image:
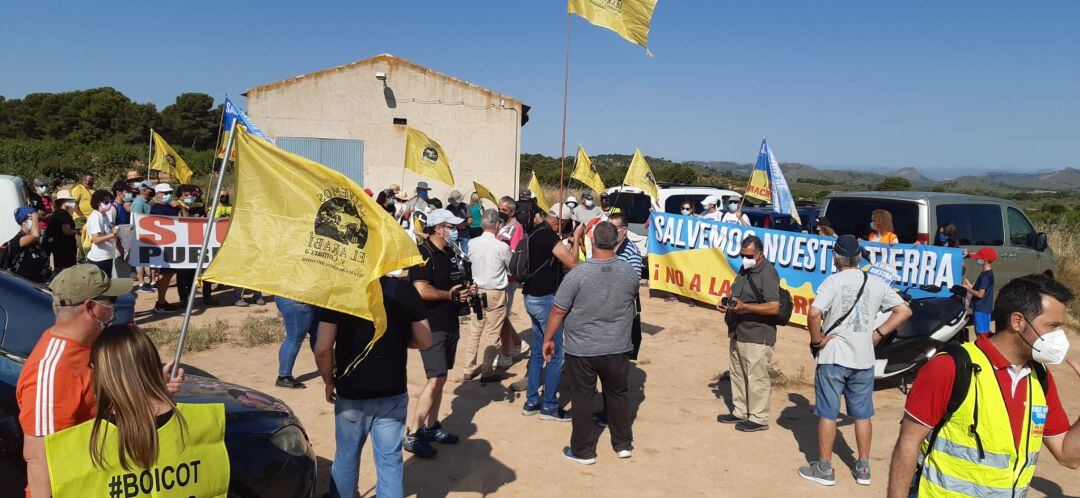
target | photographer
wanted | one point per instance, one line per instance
(490, 262)
(441, 283)
(751, 312)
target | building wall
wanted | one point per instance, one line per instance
(349, 103)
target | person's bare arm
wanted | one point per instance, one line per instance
(771, 308)
(900, 314)
(813, 324)
(568, 257)
(905, 457)
(429, 293)
(1066, 448)
(37, 469)
(35, 232)
(421, 335)
(324, 357)
(555, 320)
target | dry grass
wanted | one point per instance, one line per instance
(1065, 242)
(259, 330)
(780, 379)
(252, 331)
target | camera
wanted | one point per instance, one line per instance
(727, 302)
(476, 302)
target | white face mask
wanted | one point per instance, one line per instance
(872, 227)
(28, 225)
(1050, 348)
(69, 205)
(588, 203)
(748, 263)
(686, 212)
(732, 206)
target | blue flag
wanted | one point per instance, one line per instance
(782, 201)
(232, 115)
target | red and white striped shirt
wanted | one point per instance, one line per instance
(55, 389)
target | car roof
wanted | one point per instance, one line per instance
(916, 196)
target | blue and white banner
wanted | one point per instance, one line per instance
(234, 114)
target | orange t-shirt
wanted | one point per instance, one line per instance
(56, 388)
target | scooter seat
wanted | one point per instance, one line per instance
(928, 316)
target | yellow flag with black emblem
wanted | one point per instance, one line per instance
(534, 187)
(640, 175)
(426, 157)
(166, 159)
(629, 18)
(484, 193)
(586, 173)
(327, 246)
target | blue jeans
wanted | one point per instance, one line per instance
(300, 319)
(857, 387)
(463, 244)
(538, 308)
(384, 420)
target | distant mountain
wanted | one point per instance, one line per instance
(912, 175)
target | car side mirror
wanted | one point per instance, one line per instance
(1041, 242)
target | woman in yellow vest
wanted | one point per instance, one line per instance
(141, 442)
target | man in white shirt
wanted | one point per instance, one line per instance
(490, 261)
(710, 212)
(734, 213)
(587, 211)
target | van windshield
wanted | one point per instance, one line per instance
(852, 216)
(636, 206)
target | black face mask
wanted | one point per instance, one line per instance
(504, 217)
(224, 199)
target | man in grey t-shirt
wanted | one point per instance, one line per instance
(595, 307)
(846, 357)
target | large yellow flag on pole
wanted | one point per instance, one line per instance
(327, 246)
(166, 159)
(586, 173)
(629, 18)
(640, 175)
(484, 193)
(534, 187)
(426, 157)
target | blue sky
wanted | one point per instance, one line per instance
(936, 85)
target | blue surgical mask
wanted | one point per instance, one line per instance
(453, 236)
(128, 197)
(732, 206)
(41, 190)
(686, 212)
(422, 194)
(189, 200)
(167, 198)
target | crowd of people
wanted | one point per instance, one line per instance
(579, 276)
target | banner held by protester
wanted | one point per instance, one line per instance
(699, 259)
(172, 241)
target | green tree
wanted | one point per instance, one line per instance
(191, 121)
(893, 183)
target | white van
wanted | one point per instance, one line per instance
(637, 204)
(12, 195)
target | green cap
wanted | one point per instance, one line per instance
(81, 283)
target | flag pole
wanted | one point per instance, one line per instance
(211, 218)
(150, 154)
(566, 87)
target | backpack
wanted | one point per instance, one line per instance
(786, 304)
(519, 261)
(961, 384)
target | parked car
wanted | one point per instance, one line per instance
(12, 195)
(765, 217)
(980, 222)
(269, 451)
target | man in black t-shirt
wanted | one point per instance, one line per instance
(547, 257)
(370, 396)
(440, 281)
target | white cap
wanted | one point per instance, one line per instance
(710, 201)
(162, 187)
(440, 216)
(571, 199)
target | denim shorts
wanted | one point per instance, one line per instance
(982, 322)
(857, 386)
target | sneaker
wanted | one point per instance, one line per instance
(529, 410)
(559, 415)
(503, 362)
(520, 385)
(600, 419)
(241, 303)
(260, 302)
(147, 288)
(748, 426)
(568, 454)
(436, 434)
(164, 309)
(862, 472)
(728, 419)
(625, 453)
(416, 445)
(523, 351)
(819, 472)
(289, 383)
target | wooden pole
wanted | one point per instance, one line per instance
(566, 87)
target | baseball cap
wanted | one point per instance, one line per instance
(847, 246)
(554, 212)
(147, 185)
(369, 192)
(986, 253)
(81, 283)
(22, 213)
(710, 201)
(440, 216)
(163, 187)
(422, 186)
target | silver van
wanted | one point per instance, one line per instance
(980, 222)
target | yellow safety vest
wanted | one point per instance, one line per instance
(974, 454)
(197, 466)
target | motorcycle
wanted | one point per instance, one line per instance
(934, 321)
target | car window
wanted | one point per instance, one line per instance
(1021, 233)
(635, 206)
(852, 216)
(673, 204)
(976, 224)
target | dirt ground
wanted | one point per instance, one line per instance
(679, 448)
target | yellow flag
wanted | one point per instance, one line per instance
(426, 157)
(586, 173)
(166, 159)
(640, 175)
(484, 193)
(534, 187)
(759, 186)
(629, 18)
(327, 246)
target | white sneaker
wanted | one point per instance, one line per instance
(625, 453)
(523, 351)
(569, 455)
(503, 362)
